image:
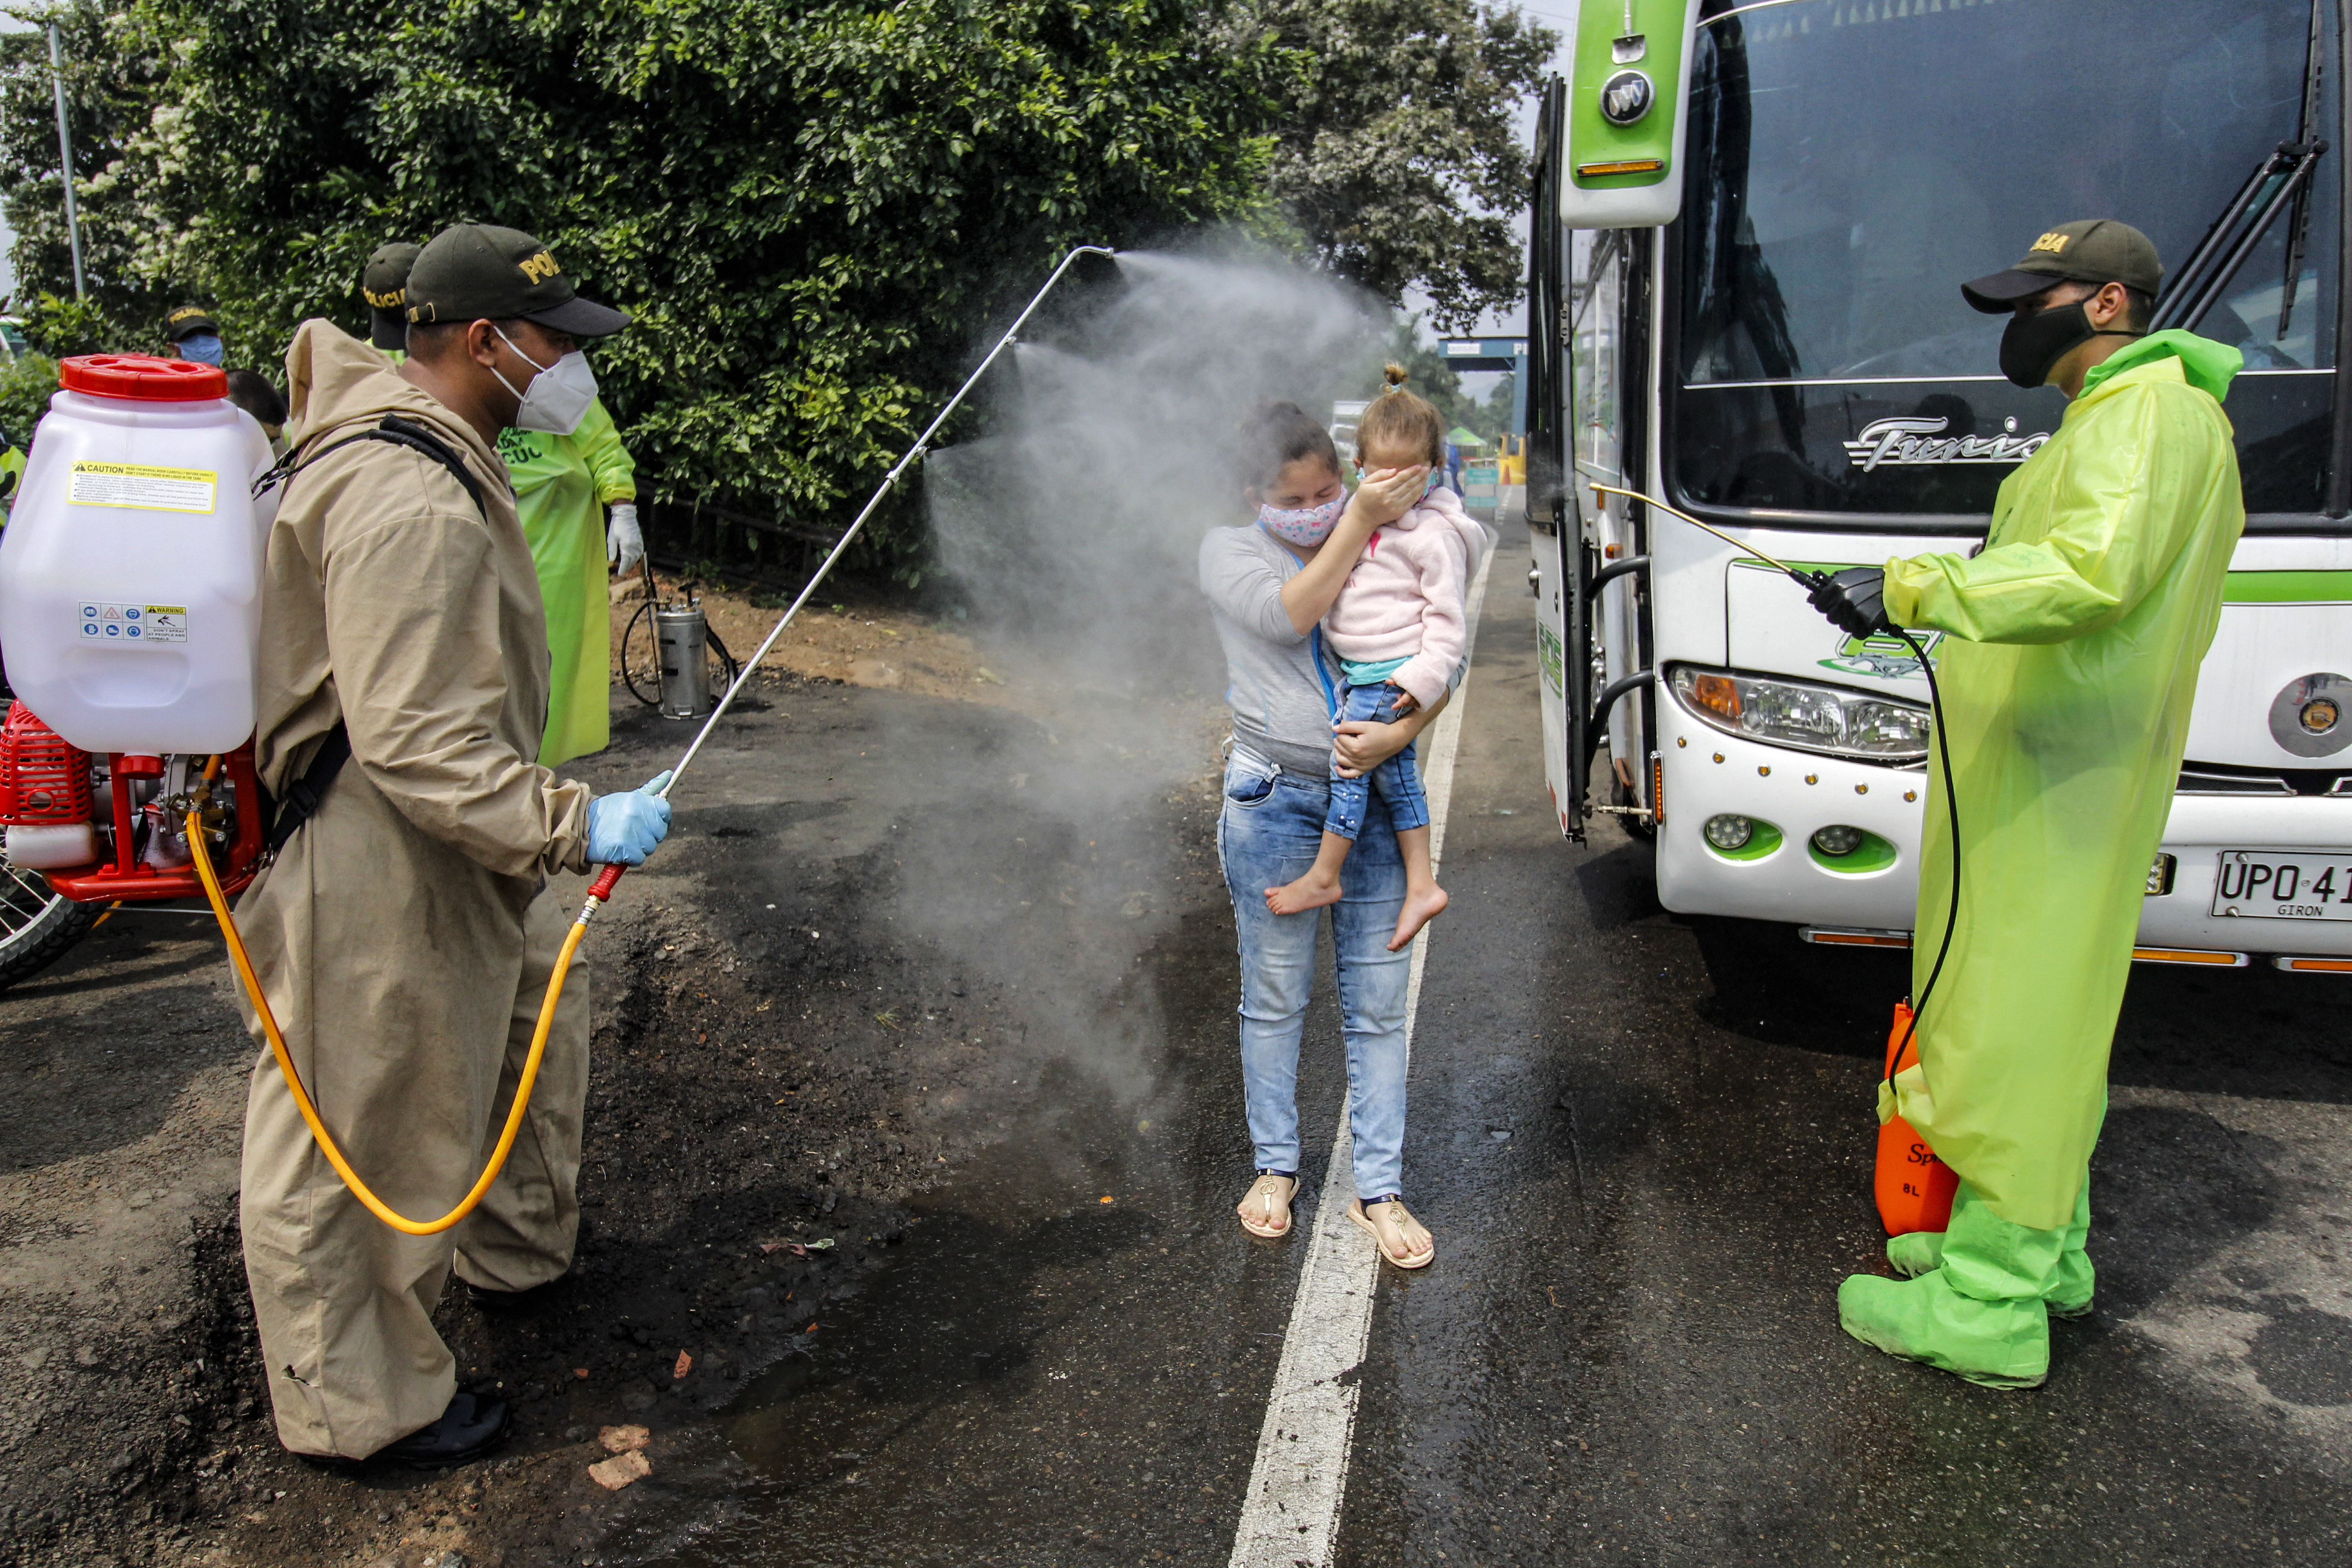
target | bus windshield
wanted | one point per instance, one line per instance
(1851, 162)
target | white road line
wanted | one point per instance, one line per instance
(1290, 1518)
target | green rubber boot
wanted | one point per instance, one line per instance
(2077, 1282)
(1922, 1252)
(1979, 1316)
(1916, 1253)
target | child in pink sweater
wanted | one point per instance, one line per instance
(1400, 630)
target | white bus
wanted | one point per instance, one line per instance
(1745, 305)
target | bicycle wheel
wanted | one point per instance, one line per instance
(38, 927)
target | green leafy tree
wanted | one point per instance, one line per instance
(112, 86)
(813, 212)
(25, 385)
(1400, 159)
(816, 210)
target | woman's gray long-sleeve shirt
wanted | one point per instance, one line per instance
(1271, 683)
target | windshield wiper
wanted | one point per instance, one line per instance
(2276, 184)
(2298, 230)
(2280, 182)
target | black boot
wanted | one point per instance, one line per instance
(500, 1302)
(475, 1424)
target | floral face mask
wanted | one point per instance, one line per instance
(1305, 525)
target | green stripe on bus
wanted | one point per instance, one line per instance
(2242, 587)
(2288, 588)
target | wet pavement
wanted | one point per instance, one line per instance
(1641, 1141)
(1644, 1145)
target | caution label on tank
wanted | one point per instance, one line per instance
(111, 621)
(141, 488)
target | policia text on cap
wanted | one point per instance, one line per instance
(2072, 653)
(406, 933)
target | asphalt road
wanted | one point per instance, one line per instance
(1642, 1143)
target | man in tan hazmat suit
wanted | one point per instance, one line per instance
(406, 933)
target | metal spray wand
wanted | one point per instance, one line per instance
(603, 885)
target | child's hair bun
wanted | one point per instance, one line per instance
(1398, 421)
(1395, 375)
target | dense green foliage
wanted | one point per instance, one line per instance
(815, 212)
(25, 385)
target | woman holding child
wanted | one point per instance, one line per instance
(1343, 627)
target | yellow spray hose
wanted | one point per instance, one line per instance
(376, 1206)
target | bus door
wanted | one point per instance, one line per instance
(1587, 296)
(1590, 574)
(1555, 530)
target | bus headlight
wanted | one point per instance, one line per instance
(1837, 839)
(1729, 832)
(1831, 719)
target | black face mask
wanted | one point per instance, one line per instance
(2031, 345)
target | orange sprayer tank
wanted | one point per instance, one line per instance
(1915, 1188)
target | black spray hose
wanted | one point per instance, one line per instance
(1952, 813)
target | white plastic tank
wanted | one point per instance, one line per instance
(131, 565)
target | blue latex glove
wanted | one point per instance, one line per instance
(624, 828)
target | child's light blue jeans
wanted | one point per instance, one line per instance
(1397, 781)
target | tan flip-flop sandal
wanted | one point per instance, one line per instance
(1395, 1231)
(1266, 1211)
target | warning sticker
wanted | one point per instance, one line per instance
(141, 488)
(137, 625)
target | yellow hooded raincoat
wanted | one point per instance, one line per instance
(562, 485)
(2075, 640)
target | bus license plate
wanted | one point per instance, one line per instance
(2274, 886)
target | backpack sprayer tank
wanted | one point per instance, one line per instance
(130, 613)
(682, 638)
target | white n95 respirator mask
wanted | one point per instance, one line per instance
(558, 398)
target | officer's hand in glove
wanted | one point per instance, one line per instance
(624, 828)
(1853, 600)
(624, 546)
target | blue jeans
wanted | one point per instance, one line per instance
(1397, 781)
(1268, 835)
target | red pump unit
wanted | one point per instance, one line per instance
(46, 782)
(44, 779)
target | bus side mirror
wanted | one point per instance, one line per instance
(1628, 97)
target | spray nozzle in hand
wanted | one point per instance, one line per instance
(1854, 599)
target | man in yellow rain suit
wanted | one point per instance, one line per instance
(2075, 637)
(563, 485)
(12, 472)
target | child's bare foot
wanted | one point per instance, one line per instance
(1420, 908)
(1311, 892)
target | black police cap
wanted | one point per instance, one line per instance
(385, 285)
(473, 271)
